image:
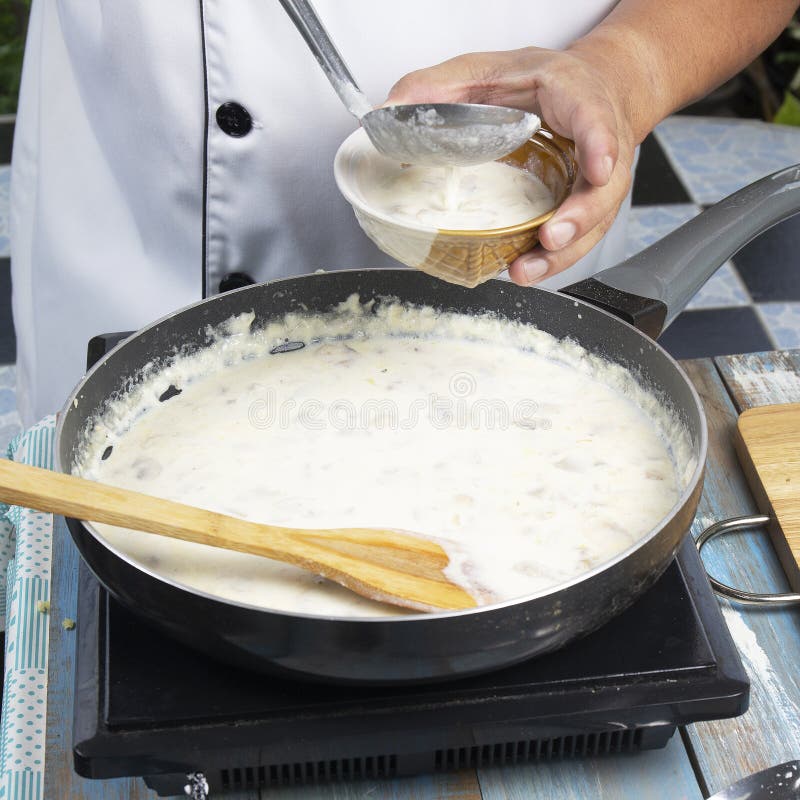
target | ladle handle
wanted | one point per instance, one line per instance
(306, 21)
(651, 288)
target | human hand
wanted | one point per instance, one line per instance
(577, 96)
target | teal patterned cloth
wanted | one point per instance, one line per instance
(27, 536)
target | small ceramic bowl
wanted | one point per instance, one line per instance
(465, 257)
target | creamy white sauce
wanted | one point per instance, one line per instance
(355, 101)
(481, 197)
(530, 459)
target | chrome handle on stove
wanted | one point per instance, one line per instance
(731, 592)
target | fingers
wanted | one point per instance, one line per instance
(561, 89)
(469, 78)
(426, 86)
(583, 219)
(533, 267)
(584, 209)
(448, 82)
(594, 129)
(585, 115)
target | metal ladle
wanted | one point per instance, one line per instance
(433, 134)
(781, 782)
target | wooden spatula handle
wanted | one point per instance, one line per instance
(381, 564)
(84, 499)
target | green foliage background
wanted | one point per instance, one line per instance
(788, 57)
(13, 26)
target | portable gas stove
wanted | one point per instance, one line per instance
(148, 706)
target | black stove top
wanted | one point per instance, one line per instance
(148, 706)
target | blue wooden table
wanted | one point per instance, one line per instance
(702, 759)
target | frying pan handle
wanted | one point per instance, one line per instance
(651, 288)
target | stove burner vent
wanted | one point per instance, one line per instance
(384, 766)
(584, 744)
(388, 766)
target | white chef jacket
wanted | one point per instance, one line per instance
(128, 198)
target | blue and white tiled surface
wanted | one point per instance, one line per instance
(714, 157)
(709, 158)
(783, 322)
(755, 297)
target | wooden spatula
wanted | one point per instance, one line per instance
(390, 566)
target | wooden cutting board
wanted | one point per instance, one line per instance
(768, 445)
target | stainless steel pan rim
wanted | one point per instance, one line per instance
(701, 447)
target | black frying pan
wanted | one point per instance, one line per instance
(647, 291)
